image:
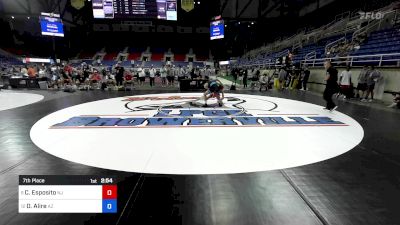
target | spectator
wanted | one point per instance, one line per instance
(295, 79)
(86, 72)
(198, 72)
(306, 77)
(80, 78)
(255, 77)
(119, 75)
(245, 74)
(192, 74)
(66, 78)
(95, 78)
(128, 79)
(275, 76)
(68, 68)
(362, 82)
(182, 73)
(264, 82)
(288, 78)
(170, 75)
(110, 80)
(146, 72)
(42, 72)
(104, 72)
(396, 101)
(74, 74)
(136, 73)
(345, 83)
(32, 72)
(142, 76)
(207, 73)
(163, 74)
(24, 71)
(373, 77)
(235, 74)
(152, 74)
(54, 76)
(281, 77)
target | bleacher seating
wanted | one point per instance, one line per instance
(179, 57)
(20, 52)
(109, 62)
(156, 64)
(9, 60)
(86, 55)
(183, 64)
(157, 54)
(111, 56)
(380, 42)
(201, 54)
(180, 54)
(198, 64)
(87, 61)
(134, 56)
(135, 53)
(112, 53)
(126, 63)
(347, 39)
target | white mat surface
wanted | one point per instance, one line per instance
(11, 100)
(196, 150)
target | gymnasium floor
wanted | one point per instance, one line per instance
(361, 186)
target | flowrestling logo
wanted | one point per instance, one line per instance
(372, 15)
(187, 111)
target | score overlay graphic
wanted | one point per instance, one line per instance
(67, 194)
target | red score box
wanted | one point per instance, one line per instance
(109, 191)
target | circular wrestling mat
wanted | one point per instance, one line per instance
(175, 134)
(11, 100)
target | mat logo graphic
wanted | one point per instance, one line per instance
(181, 112)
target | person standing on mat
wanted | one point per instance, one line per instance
(332, 86)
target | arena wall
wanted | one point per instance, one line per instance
(390, 81)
